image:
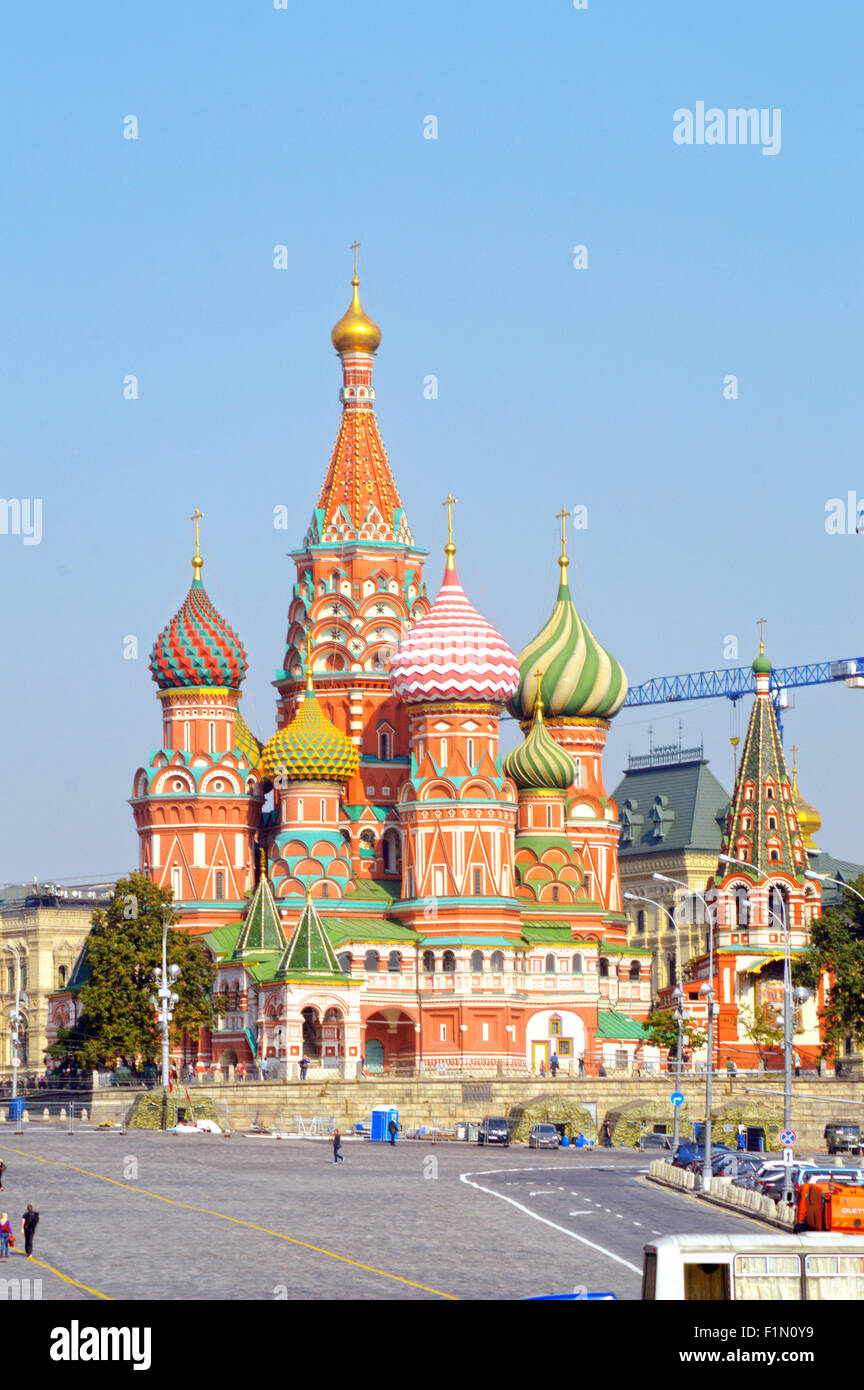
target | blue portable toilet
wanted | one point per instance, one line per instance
(381, 1117)
(17, 1106)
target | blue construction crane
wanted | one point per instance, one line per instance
(733, 682)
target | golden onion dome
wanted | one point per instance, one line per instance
(809, 819)
(355, 331)
(310, 748)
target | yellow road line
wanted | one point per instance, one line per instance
(68, 1278)
(237, 1221)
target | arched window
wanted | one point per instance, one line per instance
(477, 961)
(640, 919)
(769, 792)
(325, 890)
(323, 809)
(634, 970)
(344, 959)
(384, 746)
(774, 855)
(577, 964)
(470, 752)
(604, 968)
(555, 892)
(549, 967)
(220, 885)
(429, 962)
(498, 961)
(778, 906)
(62, 976)
(394, 961)
(448, 963)
(742, 906)
(370, 961)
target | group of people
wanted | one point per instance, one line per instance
(29, 1222)
(555, 1064)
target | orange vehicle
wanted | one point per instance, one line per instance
(831, 1206)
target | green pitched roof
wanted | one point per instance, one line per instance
(342, 929)
(309, 951)
(611, 1024)
(262, 930)
(222, 940)
(672, 807)
(377, 890)
(762, 759)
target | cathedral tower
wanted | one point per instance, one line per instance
(197, 803)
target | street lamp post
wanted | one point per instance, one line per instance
(165, 998)
(826, 878)
(678, 996)
(707, 991)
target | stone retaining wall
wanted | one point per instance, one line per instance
(443, 1102)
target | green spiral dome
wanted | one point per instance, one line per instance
(539, 763)
(580, 678)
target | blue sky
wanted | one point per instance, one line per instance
(602, 386)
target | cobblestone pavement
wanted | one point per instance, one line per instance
(161, 1216)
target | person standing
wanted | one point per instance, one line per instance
(542, 1068)
(29, 1222)
(392, 1129)
(554, 1064)
(5, 1236)
(606, 1135)
(337, 1145)
(797, 1060)
(304, 1067)
(2, 1171)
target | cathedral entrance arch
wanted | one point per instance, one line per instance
(394, 1032)
(311, 1033)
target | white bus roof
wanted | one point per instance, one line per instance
(746, 1241)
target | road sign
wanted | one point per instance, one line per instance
(16, 1061)
(788, 1137)
(677, 1098)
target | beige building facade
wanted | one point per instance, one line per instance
(43, 927)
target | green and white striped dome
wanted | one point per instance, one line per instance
(539, 763)
(580, 678)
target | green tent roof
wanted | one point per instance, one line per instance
(342, 929)
(262, 930)
(309, 951)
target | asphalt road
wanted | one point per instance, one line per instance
(175, 1217)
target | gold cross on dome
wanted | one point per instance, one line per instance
(539, 701)
(355, 247)
(760, 623)
(197, 562)
(562, 517)
(449, 502)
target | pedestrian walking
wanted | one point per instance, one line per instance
(582, 1064)
(29, 1222)
(304, 1067)
(5, 1236)
(393, 1129)
(542, 1068)
(554, 1064)
(241, 1072)
(2, 1171)
(262, 1067)
(731, 1069)
(606, 1134)
(337, 1145)
(797, 1060)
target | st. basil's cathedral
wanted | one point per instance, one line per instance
(409, 898)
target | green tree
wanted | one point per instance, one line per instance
(662, 1031)
(762, 1032)
(838, 947)
(124, 945)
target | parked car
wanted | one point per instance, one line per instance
(843, 1138)
(809, 1172)
(544, 1137)
(655, 1143)
(494, 1130)
(691, 1155)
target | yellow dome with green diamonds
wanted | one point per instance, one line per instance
(310, 748)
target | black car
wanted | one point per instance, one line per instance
(494, 1130)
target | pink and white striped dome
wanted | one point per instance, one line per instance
(453, 654)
